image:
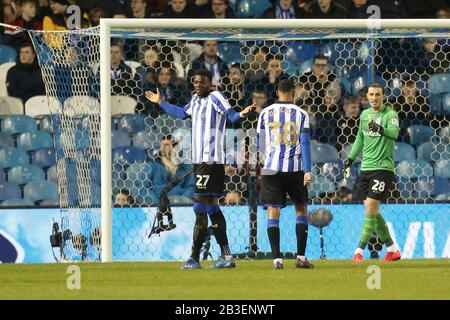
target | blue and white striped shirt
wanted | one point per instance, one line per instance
(281, 128)
(209, 116)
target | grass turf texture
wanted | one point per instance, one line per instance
(407, 279)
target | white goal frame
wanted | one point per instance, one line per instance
(105, 85)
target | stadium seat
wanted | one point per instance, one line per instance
(7, 54)
(419, 134)
(147, 139)
(26, 173)
(52, 174)
(10, 106)
(433, 151)
(9, 190)
(2, 176)
(443, 197)
(16, 124)
(322, 153)
(41, 190)
(446, 103)
(119, 139)
(122, 105)
(41, 105)
(44, 123)
(403, 151)
(406, 188)
(361, 81)
(17, 203)
(10, 157)
(441, 185)
(49, 203)
(413, 169)
(128, 155)
(29, 141)
(305, 66)
(3, 73)
(332, 171)
(80, 105)
(132, 123)
(439, 83)
(133, 65)
(6, 140)
(321, 185)
(252, 8)
(442, 169)
(180, 200)
(444, 134)
(44, 157)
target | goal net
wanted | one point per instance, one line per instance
(145, 204)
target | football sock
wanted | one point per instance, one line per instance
(368, 229)
(383, 231)
(273, 231)
(220, 229)
(301, 231)
(200, 229)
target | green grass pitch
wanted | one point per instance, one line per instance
(407, 279)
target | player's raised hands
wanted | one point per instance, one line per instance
(247, 110)
(154, 97)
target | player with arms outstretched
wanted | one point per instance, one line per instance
(378, 130)
(208, 110)
(284, 141)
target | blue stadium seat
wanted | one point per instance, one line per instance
(414, 169)
(300, 51)
(2, 176)
(305, 66)
(119, 139)
(132, 123)
(441, 185)
(52, 174)
(142, 178)
(6, 140)
(322, 153)
(17, 203)
(442, 169)
(439, 83)
(10, 157)
(321, 185)
(406, 188)
(41, 190)
(45, 123)
(9, 190)
(128, 154)
(24, 174)
(30, 141)
(361, 81)
(229, 52)
(146, 139)
(44, 157)
(7, 54)
(419, 134)
(49, 203)
(446, 103)
(16, 124)
(443, 197)
(403, 151)
(444, 134)
(433, 151)
(252, 8)
(332, 171)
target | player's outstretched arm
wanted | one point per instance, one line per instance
(235, 116)
(171, 109)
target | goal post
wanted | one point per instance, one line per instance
(348, 46)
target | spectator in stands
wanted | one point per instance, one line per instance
(124, 199)
(302, 97)
(172, 89)
(210, 61)
(44, 9)
(139, 9)
(157, 7)
(256, 64)
(178, 9)
(24, 80)
(274, 73)
(149, 65)
(284, 9)
(27, 20)
(325, 9)
(173, 168)
(119, 14)
(235, 87)
(424, 8)
(219, 10)
(9, 11)
(123, 80)
(358, 10)
(347, 124)
(200, 7)
(437, 56)
(391, 9)
(443, 13)
(95, 15)
(234, 186)
(324, 85)
(260, 98)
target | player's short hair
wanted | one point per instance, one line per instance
(377, 86)
(286, 85)
(204, 73)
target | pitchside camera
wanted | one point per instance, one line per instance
(320, 218)
(57, 237)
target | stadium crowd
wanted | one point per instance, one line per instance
(332, 92)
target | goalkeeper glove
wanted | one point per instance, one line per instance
(374, 127)
(347, 167)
